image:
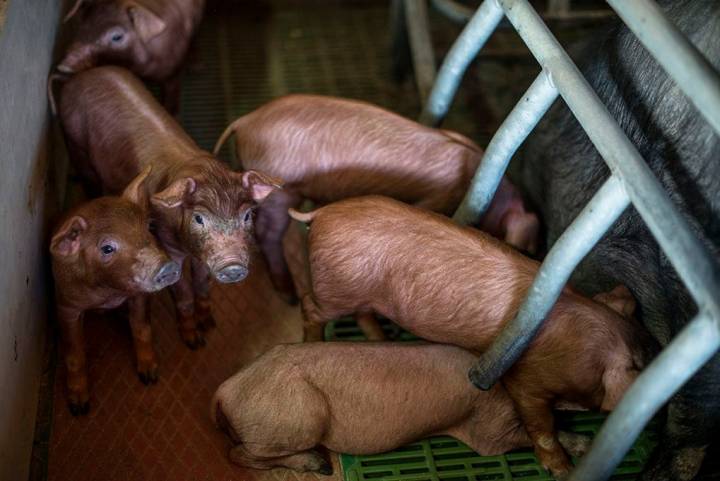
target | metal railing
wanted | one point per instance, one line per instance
(631, 181)
(410, 19)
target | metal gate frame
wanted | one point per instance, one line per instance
(631, 181)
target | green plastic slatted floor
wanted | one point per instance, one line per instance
(445, 459)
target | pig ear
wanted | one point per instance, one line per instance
(147, 24)
(66, 240)
(74, 10)
(619, 300)
(260, 185)
(176, 194)
(137, 192)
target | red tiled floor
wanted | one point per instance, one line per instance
(138, 433)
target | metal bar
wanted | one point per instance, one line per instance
(687, 353)
(573, 245)
(511, 134)
(418, 26)
(454, 11)
(692, 72)
(696, 267)
(461, 14)
(558, 7)
(689, 257)
(463, 51)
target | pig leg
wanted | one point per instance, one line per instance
(201, 290)
(270, 226)
(315, 319)
(71, 327)
(536, 414)
(147, 366)
(370, 326)
(304, 461)
(184, 303)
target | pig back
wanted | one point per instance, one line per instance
(442, 282)
(112, 119)
(167, 50)
(374, 396)
(330, 149)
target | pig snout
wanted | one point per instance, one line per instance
(167, 274)
(79, 58)
(232, 272)
(153, 271)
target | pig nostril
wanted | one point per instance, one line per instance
(232, 273)
(168, 274)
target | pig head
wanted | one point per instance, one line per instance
(106, 244)
(210, 211)
(111, 31)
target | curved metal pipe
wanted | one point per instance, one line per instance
(573, 245)
(463, 51)
(511, 134)
(454, 11)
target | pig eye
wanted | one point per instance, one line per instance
(116, 36)
(247, 216)
(107, 249)
(199, 219)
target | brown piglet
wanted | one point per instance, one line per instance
(102, 255)
(204, 211)
(149, 37)
(327, 149)
(457, 285)
(361, 398)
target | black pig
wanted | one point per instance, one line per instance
(561, 170)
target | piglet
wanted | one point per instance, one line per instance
(204, 211)
(361, 398)
(457, 285)
(327, 149)
(102, 255)
(149, 37)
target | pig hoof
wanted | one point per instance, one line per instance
(79, 409)
(326, 469)
(148, 377)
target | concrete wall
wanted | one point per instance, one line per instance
(26, 46)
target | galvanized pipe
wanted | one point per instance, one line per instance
(454, 11)
(511, 134)
(573, 245)
(692, 72)
(423, 55)
(687, 353)
(463, 51)
(696, 267)
(689, 257)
